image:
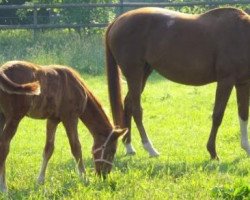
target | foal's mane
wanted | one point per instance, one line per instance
(90, 95)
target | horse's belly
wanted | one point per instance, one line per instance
(187, 76)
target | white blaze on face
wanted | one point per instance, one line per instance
(244, 135)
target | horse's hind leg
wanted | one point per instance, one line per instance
(128, 116)
(135, 87)
(71, 129)
(223, 92)
(242, 92)
(8, 132)
(128, 113)
(2, 122)
(49, 148)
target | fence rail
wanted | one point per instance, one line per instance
(121, 6)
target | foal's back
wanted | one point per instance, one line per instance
(62, 90)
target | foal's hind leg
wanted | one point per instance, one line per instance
(242, 92)
(72, 133)
(128, 112)
(223, 92)
(49, 148)
(135, 87)
(8, 132)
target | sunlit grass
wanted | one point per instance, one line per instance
(177, 119)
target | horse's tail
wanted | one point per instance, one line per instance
(114, 85)
(9, 86)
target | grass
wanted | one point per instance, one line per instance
(177, 118)
(178, 121)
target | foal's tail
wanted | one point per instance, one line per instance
(9, 86)
(114, 85)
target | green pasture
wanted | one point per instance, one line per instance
(177, 118)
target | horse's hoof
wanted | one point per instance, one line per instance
(40, 180)
(154, 154)
(131, 153)
(4, 189)
(130, 149)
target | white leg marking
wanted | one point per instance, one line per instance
(130, 149)
(244, 135)
(3, 186)
(41, 177)
(150, 149)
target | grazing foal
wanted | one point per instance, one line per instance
(187, 49)
(58, 94)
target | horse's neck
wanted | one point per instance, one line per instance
(95, 119)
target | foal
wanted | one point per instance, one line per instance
(187, 49)
(58, 94)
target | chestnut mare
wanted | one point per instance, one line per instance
(58, 94)
(187, 49)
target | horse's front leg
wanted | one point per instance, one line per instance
(7, 134)
(49, 148)
(242, 92)
(223, 92)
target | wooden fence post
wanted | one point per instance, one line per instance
(34, 21)
(121, 7)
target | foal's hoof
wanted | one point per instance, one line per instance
(215, 158)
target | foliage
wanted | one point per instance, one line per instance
(62, 47)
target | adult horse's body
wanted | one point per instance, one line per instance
(188, 49)
(58, 94)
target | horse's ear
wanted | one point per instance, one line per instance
(121, 131)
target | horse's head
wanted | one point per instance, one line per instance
(104, 150)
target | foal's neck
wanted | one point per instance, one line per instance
(95, 118)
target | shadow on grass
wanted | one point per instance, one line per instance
(154, 167)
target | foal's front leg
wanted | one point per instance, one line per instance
(70, 125)
(49, 148)
(242, 92)
(223, 92)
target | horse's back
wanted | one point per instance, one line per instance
(181, 47)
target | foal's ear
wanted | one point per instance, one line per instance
(121, 131)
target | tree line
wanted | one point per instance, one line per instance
(79, 15)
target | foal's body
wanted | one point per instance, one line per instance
(58, 94)
(187, 49)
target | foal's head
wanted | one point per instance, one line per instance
(104, 149)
